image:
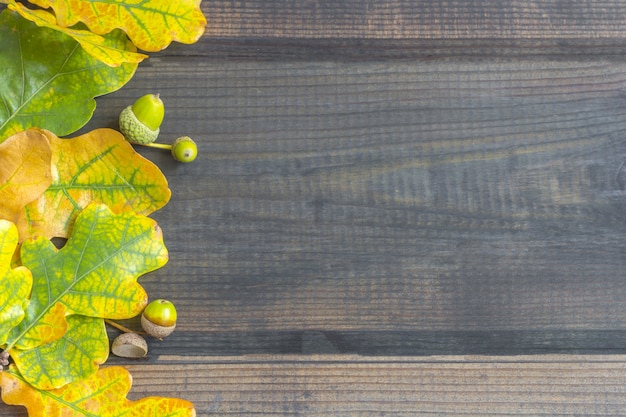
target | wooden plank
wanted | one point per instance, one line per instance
(407, 19)
(412, 205)
(332, 385)
(399, 19)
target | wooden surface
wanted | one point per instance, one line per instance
(399, 208)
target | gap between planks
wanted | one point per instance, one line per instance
(169, 360)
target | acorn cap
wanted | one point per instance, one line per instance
(129, 345)
(155, 330)
(134, 130)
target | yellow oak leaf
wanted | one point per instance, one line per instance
(99, 166)
(16, 282)
(95, 274)
(95, 45)
(61, 337)
(102, 394)
(74, 356)
(24, 171)
(151, 24)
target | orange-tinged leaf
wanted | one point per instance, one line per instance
(103, 394)
(74, 356)
(151, 24)
(95, 45)
(162, 407)
(16, 282)
(24, 171)
(99, 166)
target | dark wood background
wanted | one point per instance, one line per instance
(399, 208)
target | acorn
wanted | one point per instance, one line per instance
(129, 345)
(159, 318)
(140, 123)
(183, 149)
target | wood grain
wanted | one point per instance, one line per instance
(398, 19)
(400, 204)
(332, 385)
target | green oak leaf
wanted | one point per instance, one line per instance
(95, 45)
(75, 356)
(95, 274)
(48, 81)
(16, 282)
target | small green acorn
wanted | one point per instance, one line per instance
(183, 149)
(140, 123)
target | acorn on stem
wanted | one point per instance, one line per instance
(140, 122)
(159, 318)
(183, 149)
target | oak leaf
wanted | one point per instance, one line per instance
(150, 24)
(99, 166)
(95, 274)
(111, 53)
(16, 282)
(24, 172)
(103, 394)
(48, 80)
(74, 356)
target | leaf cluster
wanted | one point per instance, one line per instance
(151, 25)
(57, 58)
(54, 301)
(94, 190)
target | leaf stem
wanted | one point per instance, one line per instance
(156, 145)
(122, 328)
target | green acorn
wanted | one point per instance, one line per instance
(159, 318)
(140, 122)
(183, 149)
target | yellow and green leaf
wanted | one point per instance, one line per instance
(99, 166)
(48, 80)
(111, 53)
(103, 394)
(50, 325)
(76, 355)
(95, 274)
(24, 172)
(16, 282)
(151, 24)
